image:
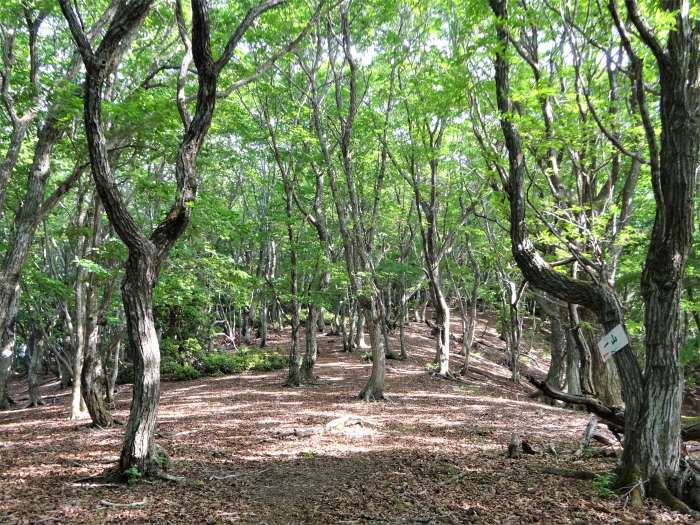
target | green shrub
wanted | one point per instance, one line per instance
(198, 363)
(603, 484)
(187, 351)
(179, 371)
(133, 475)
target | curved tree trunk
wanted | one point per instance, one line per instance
(146, 253)
(652, 450)
(139, 449)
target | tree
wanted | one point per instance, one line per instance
(147, 253)
(652, 411)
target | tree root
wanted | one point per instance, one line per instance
(371, 394)
(449, 376)
(123, 505)
(6, 403)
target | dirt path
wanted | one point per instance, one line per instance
(434, 453)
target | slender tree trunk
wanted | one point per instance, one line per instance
(9, 297)
(573, 376)
(36, 355)
(422, 308)
(468, 330)
(77, 403)
(263, 324)
(403, 320)
(113, 373)
(294, 375)
(442, 318)
(309, 361)
(514, 336)
(321, 320)
(360, 321)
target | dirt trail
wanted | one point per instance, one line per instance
(252, 451)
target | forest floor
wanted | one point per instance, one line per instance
(253, 451)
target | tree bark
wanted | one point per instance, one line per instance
(309, 361)
(374, 389)
(9, 297)
(139, 449)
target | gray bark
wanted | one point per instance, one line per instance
(9, 297)
(36, 355)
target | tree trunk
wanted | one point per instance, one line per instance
(93, 377)
(10, 297)
(360, 321)
(606, 380)
(403, 320)
(294, 375)
(247, 326)
(573, 376)
(442, 318)
(321, 321)
(113, 373)
(557, 342)
(309, 361)
(139, 450)
(36, 355)
(263, 324)
(584, 351)
(374, 389)
(77, 403)
(652, 441)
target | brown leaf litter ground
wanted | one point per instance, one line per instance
(253, 451)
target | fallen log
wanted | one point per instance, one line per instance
(614, 416)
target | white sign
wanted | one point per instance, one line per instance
(613, 341)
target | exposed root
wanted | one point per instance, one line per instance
(449, 376)
(631, 486)
(370, 394)
(170, 477)
(6, 403)
(123, 505)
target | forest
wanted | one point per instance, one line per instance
(354, 262)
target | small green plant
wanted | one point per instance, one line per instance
(603, 484)
(432, 367)
(133, 475)
(164, 461)
(366, 356)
